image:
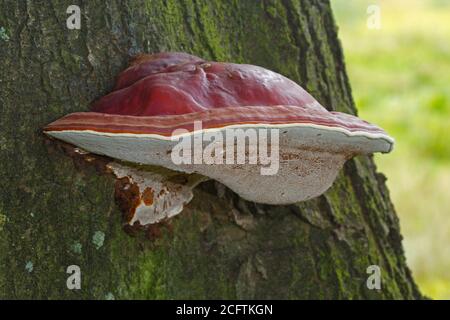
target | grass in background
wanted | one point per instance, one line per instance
(400, 76)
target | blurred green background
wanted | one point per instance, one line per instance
(400, 76)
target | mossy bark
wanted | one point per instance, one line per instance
(53, 214)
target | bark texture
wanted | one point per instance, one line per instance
(53, 214)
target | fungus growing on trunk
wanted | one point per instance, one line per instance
(167, 101)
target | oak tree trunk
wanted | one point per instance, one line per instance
(54, 214)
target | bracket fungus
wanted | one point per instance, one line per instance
(160, 99)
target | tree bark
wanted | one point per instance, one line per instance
(53, 214)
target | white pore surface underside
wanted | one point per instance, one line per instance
(310, 158)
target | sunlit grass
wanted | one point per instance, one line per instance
(400, 76)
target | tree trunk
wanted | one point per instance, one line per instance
(53, 214)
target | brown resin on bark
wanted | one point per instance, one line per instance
(127, 196)
(148, 196)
